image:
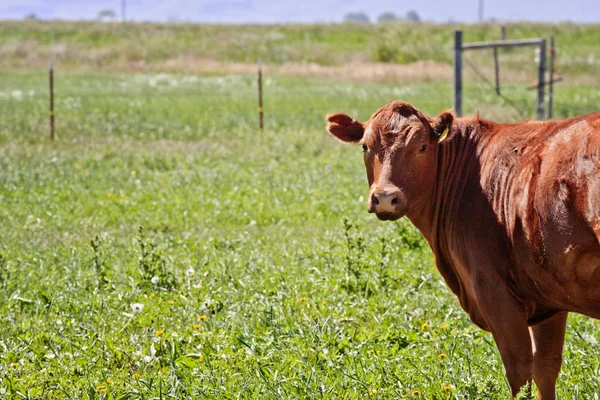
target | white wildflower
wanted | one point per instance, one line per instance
(155, 280)
(190, 272)
(148, 359)
(137, 307)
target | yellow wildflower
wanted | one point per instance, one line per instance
(101, 388)
(371, 351)
(442, 355)
(323, 302)
(159, 333)
(137, 376)
(133, 172)
(196, 326)
(109, 381)
(425, 326)
(201, 358)
(447, 388)
(443, 326)
(416, 393)
(15, 365)
(202, 318)
(372, 392)
(171, 302)
(302, 299)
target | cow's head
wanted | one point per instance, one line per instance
(400, 147)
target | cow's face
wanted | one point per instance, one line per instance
(400, 151)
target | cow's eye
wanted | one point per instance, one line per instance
(422, 148)
(365, 148)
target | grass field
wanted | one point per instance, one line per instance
(163, 247)
(183, 47)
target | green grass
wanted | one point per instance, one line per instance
(264, 235)
(85, 45)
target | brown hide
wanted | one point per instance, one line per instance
(511, 212)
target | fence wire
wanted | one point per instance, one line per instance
(482, 76)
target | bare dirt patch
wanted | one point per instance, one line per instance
(354, 72)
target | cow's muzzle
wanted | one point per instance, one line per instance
(387, 204)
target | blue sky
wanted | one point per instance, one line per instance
(271, 11)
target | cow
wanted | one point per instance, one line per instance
(510, 211)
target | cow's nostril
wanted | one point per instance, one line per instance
(395, 201)
(375, 201)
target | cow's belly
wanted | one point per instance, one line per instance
(567, 278)
(578, 277)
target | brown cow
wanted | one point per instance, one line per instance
(511, 212)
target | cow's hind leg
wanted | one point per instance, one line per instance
(548, 338)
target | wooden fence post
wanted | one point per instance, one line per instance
(51, 76)
(458, 73)
(260, 96)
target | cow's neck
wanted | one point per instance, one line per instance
(457, 160)
(456, 164)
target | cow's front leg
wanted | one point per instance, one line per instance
(507, 320)
(548, 339)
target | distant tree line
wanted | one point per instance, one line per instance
(386, 17)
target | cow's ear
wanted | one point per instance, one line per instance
(442, 126)
(345, 128)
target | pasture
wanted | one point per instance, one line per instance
(163, 247)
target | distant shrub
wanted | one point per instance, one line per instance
(107, 15)
(413, 16)
(358, 17)
(386, 52)
(387, 17)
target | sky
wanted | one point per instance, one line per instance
(304, 11)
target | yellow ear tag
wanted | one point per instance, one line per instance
(443, 136)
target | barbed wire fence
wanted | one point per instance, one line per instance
(222, 100)
(543, 108)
